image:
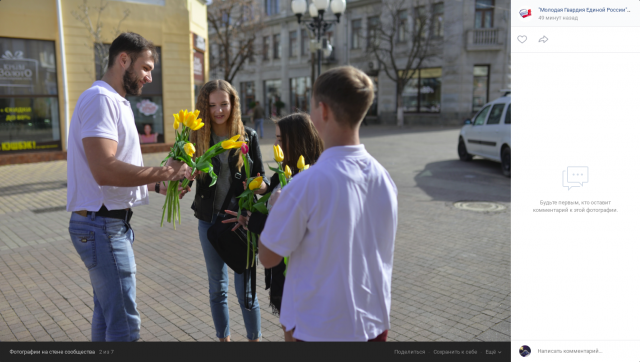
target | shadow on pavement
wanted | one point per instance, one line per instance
(454, 180)
(32, 187)
(387, 130)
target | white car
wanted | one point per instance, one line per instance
(488, 135)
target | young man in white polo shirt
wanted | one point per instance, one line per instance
(337, 222)
(106, 178)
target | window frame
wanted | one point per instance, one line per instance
(372, 33)
(277, 49)
(356, 34)
(266, 45)
(483, 12)
(403, 25)
(293, 43)
(437, 26)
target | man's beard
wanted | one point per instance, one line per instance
(131, 83)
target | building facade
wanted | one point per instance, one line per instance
(48, 57)
(469, 63)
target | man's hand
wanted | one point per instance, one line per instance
(183, 191)
(179, 170)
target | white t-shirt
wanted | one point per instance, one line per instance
(337, 221)
(102, 112)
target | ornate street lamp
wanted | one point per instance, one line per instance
(317, 25)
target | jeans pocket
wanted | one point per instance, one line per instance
(117, 229)
(85, 243)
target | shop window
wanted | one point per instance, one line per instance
(480, 86)
(300, 94)
(273, 97)
(247, 96)
(422, 92)
(29, 109)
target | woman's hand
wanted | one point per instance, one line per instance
(242, 220)
(262, 189)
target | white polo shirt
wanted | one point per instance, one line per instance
(337, 221)
(102, 112)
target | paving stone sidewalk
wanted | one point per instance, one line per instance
(452, 267)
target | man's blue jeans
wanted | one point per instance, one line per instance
(105, 245)
(218, 286)
(259, 123)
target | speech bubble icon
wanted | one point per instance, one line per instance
(578, 174)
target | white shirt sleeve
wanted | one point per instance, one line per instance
(100, 118)
(287, 221)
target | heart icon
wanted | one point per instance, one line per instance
(522, 38)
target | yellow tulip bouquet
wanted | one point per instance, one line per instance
(246, 201)
(284, 174)
(183, 150)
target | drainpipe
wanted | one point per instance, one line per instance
(64, 73)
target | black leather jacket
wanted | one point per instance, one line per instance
(205, 195)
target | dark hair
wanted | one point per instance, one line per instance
(299, 137)
(132, 44)
(347, 91)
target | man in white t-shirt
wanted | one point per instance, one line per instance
(106, 178)
(337, 222)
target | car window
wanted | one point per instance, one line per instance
(496, 113)
(482, 116)
(507, 117)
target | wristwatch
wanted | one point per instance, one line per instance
(157, 187)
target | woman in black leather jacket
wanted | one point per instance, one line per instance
(219, 106)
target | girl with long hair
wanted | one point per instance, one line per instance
(219, 106)
(297, 136)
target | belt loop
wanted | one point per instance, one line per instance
(126, 216)
(93, 215)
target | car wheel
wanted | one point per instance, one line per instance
(462, 151)
(506, 161)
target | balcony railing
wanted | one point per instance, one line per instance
(484, 39)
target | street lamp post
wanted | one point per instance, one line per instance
(318, 25)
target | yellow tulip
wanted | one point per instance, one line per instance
(198, 126)
(176, 124)
(189, 149)
(176, 117)
(181, 116)
(196, 113)
(306, 167)
(229, 144)
(301, 163)
(190, 119)
(277, 153)
(287, 172)
(234, 138)
(256, 183)
(196, 123)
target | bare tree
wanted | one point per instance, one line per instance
(95, 29)
(236, 25)
(400, 46)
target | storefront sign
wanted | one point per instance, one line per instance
(199, 43)
(17, 71)
(198, 66)
(147, 107)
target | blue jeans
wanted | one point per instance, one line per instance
(218, 286)
(105, 246)
(259, 123)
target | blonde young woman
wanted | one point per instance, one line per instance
(219, 105)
